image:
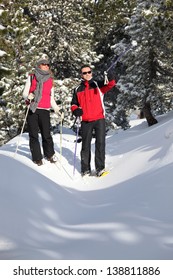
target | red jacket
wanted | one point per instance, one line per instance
(45, 101)
(89, 96)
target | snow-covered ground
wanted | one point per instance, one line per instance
(49, 213)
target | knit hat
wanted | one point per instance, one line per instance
(43, 61)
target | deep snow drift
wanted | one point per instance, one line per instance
(47, 213)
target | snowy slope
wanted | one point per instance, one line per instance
(47, 212)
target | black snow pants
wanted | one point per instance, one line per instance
(87, 129)
(40, 122)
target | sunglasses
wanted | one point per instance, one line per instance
(84, 73)
(44, 64)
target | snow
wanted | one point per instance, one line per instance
(134, 43)
(2, 27)
(147, 12)
(47, 213)
(2, 53)
(1, 12)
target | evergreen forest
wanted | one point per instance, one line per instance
(131, 39)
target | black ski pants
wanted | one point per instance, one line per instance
(40, 122)
(87, 129)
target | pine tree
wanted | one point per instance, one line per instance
(67, 34)
(71, 33)
(14, 39)
(148, 72)
(62, 33)
(111, 18)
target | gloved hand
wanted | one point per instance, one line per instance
(78, 112)
(27, 102)
(60, 113)
(31, 96)
(111, 75)
(106, 81)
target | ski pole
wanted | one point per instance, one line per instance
(61, 139)
(134, 43)
(21, 130)
(77, 134)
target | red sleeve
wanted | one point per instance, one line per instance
(107, 87)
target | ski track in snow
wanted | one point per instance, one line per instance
(49, 213)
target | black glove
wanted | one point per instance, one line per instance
(78, 112)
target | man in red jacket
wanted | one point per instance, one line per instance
(87, 103)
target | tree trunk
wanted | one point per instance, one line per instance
(146, 111)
